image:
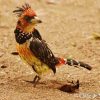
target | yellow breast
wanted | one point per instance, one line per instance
(27, 55)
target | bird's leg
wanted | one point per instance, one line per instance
(36, 80)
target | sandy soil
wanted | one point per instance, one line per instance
(67, 27)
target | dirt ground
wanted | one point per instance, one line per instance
(67, 27)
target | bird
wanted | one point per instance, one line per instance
(33, 49)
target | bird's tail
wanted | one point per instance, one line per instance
(74, 63)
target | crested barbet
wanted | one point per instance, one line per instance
(33, 49)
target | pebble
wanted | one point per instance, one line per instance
(53, 1)
(1, 54)
(3, 66)
(14, 53)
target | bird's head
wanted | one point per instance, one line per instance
(27, 18)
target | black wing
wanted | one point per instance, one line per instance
(36, 34)
(42, 52)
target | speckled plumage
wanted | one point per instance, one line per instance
(33, 50)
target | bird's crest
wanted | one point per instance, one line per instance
(19, 11)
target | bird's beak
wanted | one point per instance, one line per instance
(36, 20)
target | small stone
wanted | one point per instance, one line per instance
(14, 53)
(74, 44)
(3, 66)
(53, 1)
(96, 35)
(1, 54)
(2, 73)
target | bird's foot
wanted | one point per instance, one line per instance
(36, 80)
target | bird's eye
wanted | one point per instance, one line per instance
(28, 18)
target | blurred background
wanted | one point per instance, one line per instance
(69, 27)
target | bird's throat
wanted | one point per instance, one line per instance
(28, 29)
